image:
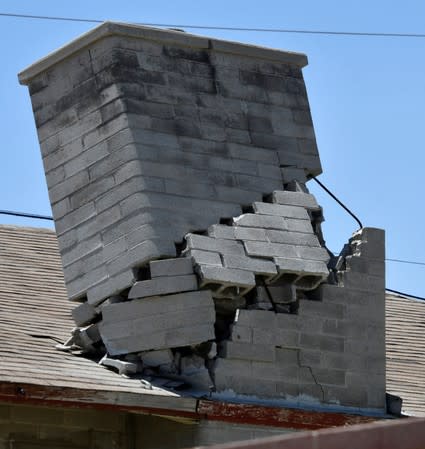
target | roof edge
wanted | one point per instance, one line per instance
(107, 29)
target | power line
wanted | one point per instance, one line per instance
(337, 200)
(227, 28)
(25, 214)
(404, 294)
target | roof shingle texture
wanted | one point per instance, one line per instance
(35, 315)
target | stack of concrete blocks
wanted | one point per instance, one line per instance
(140, 331)
(275, 242)
(331, 352)
(148, 134)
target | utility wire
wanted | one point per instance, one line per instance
(226, 28)
(404, 294)
(338, 201)
(25, 214)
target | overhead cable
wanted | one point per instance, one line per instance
(227, 28)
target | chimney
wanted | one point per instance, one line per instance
(177, 169)
(149, 134)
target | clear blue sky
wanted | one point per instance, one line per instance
(366, 94)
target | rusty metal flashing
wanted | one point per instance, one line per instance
(183, 407)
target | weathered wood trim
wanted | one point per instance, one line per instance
(277, 416)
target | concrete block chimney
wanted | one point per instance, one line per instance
(149, 134)
(176, 167)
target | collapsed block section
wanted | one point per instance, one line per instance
(148, 134)
(332, 351)
(276, 242)
(158, 322)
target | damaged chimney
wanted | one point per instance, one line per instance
(177, 168)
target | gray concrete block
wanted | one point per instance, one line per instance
(256, 318)
(108, 286)
(68, 186)
(187, 336)
(245, 233)
(121, 366)
(236, 195)
(200, 257)
(248, 351)
(83, 314)
(163, 286)
(280, 294)
(292, 238)
(280, 210)
(312, 253)
(251, 153)
(130, 310)
(293, 224)
(257, 266)
(295, 199)
(290, 174)
(306, 274)
(321, 309)
(270, 250)
(258, 183)
(171, 267)
(322, 342)
(226, 282)
(157, 358)
(261, 221)
(200, 242)
(222, 232)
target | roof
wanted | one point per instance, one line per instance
(405, 327)
(35, 315)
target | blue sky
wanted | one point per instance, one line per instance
(366, 94)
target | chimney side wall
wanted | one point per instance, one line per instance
(143, 141)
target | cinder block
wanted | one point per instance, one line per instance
(222, 232)
(290, 174)
(109, 286)
(199, 242)
(270, 250)
(83, 314)
(257, 266)
(312, 253)
(292, 238)
(321, 309)
(225, 281)
(200, 257)
(256, 318)
(293, 224)
(157, 358)
(301, 199)
(130, 310)
(247, 351)
(171, 267)
(322, 342)
(244, 233)
(121, 366)
(261, 221)
(297, 212)
(281, 294)
(163, 286)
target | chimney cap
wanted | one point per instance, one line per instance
(159, 35)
